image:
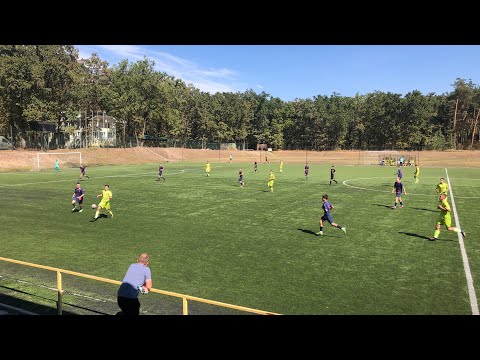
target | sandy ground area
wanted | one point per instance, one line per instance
(22, 160)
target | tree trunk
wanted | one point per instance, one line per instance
(454, 125)
(475, 126)
(143, 132)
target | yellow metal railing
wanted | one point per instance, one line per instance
(184, 297)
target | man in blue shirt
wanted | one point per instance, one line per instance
(327, 216)
(137, 279)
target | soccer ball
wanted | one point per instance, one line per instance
(94, 206)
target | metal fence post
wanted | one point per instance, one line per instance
(185, 306)
(59, 293)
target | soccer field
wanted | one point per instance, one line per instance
(210, 238)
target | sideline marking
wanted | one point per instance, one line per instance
(466, 266)
(386, 191)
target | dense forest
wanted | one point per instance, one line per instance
(50, 82)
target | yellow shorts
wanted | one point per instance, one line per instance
(105, 204)
(445, 220)
(270, 183)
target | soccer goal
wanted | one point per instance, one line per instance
(65, 159)
(247, 153)
(390, 158)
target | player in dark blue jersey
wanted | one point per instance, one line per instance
(398, 189)
(82, 172)
(240, 177)
(399, 174)
(307, 168)
(160, 173)
(327, 216)
(255, 166)
(77, 196)
(332, 175)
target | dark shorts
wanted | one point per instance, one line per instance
(240, 178)
(128, 306)
(399, 194)
(327, 217)
(160, 173)
(306, 172)
(80, 201)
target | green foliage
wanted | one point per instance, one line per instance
(47, 82)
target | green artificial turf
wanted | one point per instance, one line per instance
(210, 238)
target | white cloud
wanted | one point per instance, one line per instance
(260, 86)
(207, 79)
(85, 52)
(127, 51)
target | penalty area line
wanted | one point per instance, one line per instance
(466, 266)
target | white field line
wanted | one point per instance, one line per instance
(163, 157)
(466, 266)
(153, 174)
(345, 182)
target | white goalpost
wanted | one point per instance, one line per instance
(65, 159)
(390, 157)
(247, 151)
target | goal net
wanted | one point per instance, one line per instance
(390, 158)
(65, 159)
(247, 153)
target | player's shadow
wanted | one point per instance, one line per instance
(416, 208)
(314, 233)
(308, 232)
(100, 216)
(421, 236)
(386, 206)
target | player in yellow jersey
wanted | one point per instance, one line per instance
(271, 179)
(444, 218)
(281, 166)
(442, 187)
(416, 174)
(106, 196)
(207, 168)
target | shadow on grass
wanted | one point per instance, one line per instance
(386, 206)
(308, 232)
(315, 234)
(421, 236)
(35, 306)
(424, 209)
(100, 216)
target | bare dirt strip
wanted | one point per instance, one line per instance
(25, 160)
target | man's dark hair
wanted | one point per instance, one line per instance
(325, 196)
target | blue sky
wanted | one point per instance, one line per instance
(303, 71)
